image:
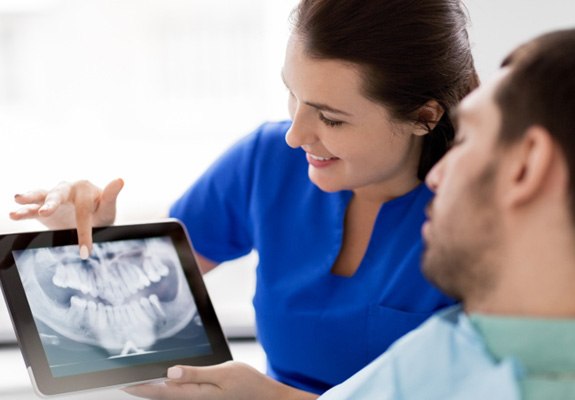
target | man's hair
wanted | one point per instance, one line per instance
(540, 90)
(409, 52)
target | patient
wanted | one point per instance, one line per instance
(500, 237)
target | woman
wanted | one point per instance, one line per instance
(335, 216)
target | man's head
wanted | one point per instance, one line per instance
(506, 188)
(541, 92)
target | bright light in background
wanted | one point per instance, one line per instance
(153, 90)
(149, 91)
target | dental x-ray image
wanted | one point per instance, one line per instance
(129, 298)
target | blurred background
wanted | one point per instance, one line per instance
(150, 91)
(153, 90)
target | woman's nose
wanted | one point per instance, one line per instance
(300, 133)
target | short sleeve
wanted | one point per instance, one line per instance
(215, 209)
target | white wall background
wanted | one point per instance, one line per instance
(153, 90)
(150, 91)
(498, 26)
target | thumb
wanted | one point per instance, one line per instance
(111, 191)
(107, 207)
(187, 374)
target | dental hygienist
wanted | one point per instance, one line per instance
(335, 215)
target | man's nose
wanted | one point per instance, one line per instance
(433, 178)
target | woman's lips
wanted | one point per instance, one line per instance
(320, 162)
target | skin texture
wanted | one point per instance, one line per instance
(351, 143)
(457, 259)
(522, 190)
(366, 152)
(80, 204)
(230, 380)
(359, 148)
(500, 229)
(499, 222)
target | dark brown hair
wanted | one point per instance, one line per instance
(410, 51)
(540, 90)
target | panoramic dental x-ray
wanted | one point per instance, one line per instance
(130, 297)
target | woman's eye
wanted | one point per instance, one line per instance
(329, 122)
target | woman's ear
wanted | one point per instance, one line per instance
(428, 116)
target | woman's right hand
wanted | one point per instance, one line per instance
(79, 204)
(230, 380)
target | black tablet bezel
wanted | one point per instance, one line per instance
(25, 326)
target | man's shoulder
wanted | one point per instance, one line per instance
(442, 327)
(444, 358)
(447, 350)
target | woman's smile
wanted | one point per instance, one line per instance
(320, 162)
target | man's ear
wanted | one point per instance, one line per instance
(530, 167)
(428, 116)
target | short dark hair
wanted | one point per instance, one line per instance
(410, 52)
(540, 90)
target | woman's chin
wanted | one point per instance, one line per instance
(329, 187)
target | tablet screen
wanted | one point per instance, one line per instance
(129, 298)
(135, 307)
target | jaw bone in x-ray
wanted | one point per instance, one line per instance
(124, 298)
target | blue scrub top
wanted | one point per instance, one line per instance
(316, 328)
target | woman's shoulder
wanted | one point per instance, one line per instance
(256, 146)
(266, 145)
(271, 133)
(268, 135)
(275, 127)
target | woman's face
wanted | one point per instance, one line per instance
(351, 142)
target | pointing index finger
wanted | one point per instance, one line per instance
(85, 198)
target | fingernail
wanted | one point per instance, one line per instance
(175, 373)
(17, 195)
(84, 253)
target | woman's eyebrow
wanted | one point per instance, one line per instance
(325, 107)
(319, 106)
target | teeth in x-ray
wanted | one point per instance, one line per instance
(157, 306)
(111, 282)
(152, 307)
(77, 311)
(137, 280)
(151, 272)
(126, 292)
(132, 321)
(137, 313)
(91, 311)
(130, 278)
(92, 284)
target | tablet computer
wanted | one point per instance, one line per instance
(135, 307)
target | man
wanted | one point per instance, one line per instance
(500, 237)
